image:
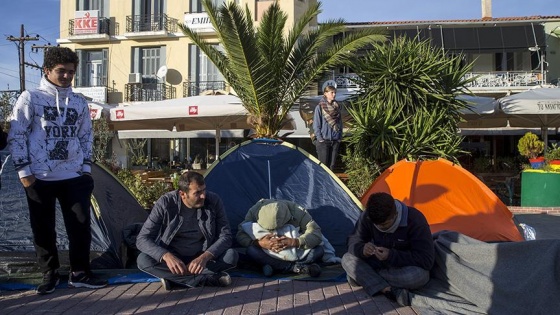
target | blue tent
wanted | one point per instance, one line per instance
(273, 169)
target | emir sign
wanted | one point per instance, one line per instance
(198, 22)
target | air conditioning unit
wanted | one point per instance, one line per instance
(135, 78)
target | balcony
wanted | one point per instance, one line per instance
(150, 25)
(203, 87)
(484, 82)
(103, 31)
(504, 80)
(145, 92)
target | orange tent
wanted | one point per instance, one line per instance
(450, 197)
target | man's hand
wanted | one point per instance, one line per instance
(284, 242)
(176, 265)
(27, 180)
(382, 253)
(369, 249)
(267, 241)
(199, 263)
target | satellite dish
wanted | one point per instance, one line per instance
(162, 71)
(327, 83)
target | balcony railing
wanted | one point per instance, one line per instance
(484, 80)
(142, 92)
(104, 27)
(504, 79)
(196, 88)
(150, 23)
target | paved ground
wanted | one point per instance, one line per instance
(245, 296)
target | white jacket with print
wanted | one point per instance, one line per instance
(51, 133)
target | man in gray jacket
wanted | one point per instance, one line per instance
(186, 240)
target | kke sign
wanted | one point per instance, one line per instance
(86, 22)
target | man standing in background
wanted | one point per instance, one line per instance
(327, 126)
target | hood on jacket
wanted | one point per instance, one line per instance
(50, 88)
(273, 215)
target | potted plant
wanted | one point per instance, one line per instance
(530, 146)
(552, 156)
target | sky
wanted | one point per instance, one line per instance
(41, 17)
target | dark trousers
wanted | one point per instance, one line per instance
(327, 152)
(368, 274)
(259, 256)
(227, 260)
(73, 195)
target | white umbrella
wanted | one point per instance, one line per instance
(537, 108)
(482, 113)
(208, 112)
(96, 109)
(190, 113)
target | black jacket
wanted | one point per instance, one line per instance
(411, 244)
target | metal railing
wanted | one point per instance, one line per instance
(505, 79)
(104, 27)
(191, 88)
(142, 92)
(490, 79)
(150, 23)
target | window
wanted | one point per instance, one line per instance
(92, 69)
(203, 74)
(196, 5)
(150, 63)
(87, 5)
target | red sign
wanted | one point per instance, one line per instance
(93, 113)
(86, 22)
(119, 113)
(193, 110)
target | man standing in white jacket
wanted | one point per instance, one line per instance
(51, 140)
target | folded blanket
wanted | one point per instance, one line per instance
(255, 231)
(474, 277)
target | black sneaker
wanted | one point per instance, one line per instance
(312, 270)
(398, 295)
(50, 281)
(220, 279)
(166, 284)
(85, 280)
(352, 282)
(267, 270)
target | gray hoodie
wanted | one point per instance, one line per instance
(51, 133)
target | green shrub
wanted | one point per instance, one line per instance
(146, 194)
(361, 172)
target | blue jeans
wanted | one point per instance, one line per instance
(327, 152)
(259, 256)
(225, 261)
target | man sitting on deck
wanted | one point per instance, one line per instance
(187, 240)
(281, 236)
(391, 249)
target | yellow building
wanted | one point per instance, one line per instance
(134, 50)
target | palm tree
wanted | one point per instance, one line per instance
(268, 68)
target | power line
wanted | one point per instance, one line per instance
(20, 42)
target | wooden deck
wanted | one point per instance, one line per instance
(244, 296)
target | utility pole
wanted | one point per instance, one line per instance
(21, 50)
